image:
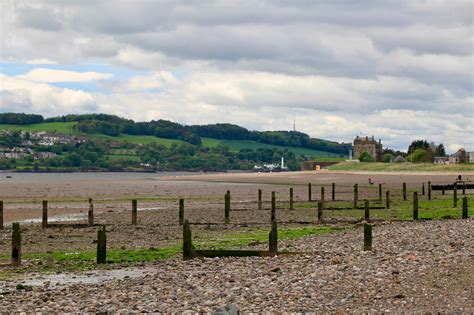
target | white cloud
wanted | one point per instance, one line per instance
(51, 76)
(40, 61)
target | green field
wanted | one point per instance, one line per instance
(400, 167)
(61, 127)
(237, 145)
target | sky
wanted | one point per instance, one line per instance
(399, 70)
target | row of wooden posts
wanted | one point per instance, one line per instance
(227, 202)
(189, 252)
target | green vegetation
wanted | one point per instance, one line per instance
(401, 167)
(64, 128)
(256, 236)
(237, 145)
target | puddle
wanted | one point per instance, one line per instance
(60, 218)
(149, 209)
(89, 277)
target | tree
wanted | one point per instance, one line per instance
(440, 151)
(366, 157)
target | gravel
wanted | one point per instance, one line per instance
(415, 266)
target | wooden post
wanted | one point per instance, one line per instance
(367, 211)
(423, 189)
(443, 192)
(464, 208)
(259, 199)
(404, 191)
(356, 195)
(464, 188)
(387, 199)
(322, 194)
(44, 222)
(273, 212)
(101, 245)
(455, 195)
(134, 212)
(273, 239)
(227, 208)
(429, 191)
(333, 192)
(415, 205)
(181, 211)
(309, 192)
(380, 193)
(16, 244)
(1, 214)
(187, 241)
(320, 211)
(291, 199)
(367, 237)
(90, 214)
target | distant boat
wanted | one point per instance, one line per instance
(8, 176)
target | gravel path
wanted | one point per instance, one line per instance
(422, 266)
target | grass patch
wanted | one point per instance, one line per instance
(60, 127)
(401, 167)
(244, 239)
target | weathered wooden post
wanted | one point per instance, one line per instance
(181, 211)
(387, 199)
(320, 211)
(309, 192)
(380, 193)
(333, 192)
(187, 241)
(429, 191)
(101, 245)
(464, 208)
(367, 210)
(227, 207)
(404, 191)
(464, 188)
(455, 195)
(134, 211)
(273, 211)
(367, 237)
(291, 199)
(16, 244)
(259, 199)
(322, 194)
(423, 189)
(415, 205)
(44, 222)
(90, 214)
(443, 192)
(273, 239)
(1, 214)
(356, 195)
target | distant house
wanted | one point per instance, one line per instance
(45, 155)
(399, 159)
(441, 160)
(458, 157)
(14, 155)
(369, 145)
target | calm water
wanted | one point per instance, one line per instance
(86, 176)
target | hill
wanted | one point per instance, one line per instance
(107, 142)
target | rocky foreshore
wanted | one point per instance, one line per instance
(415, 267)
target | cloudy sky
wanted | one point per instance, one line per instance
(399, 70)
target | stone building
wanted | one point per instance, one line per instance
(369, 145)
